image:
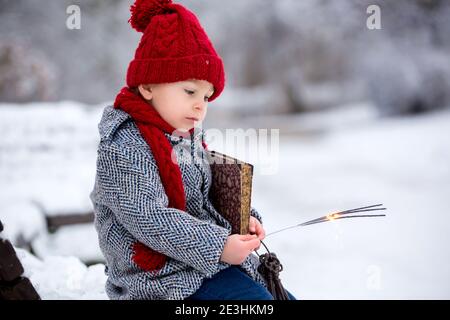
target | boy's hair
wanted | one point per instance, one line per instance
(136, 91)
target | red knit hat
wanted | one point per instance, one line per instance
(174, 47)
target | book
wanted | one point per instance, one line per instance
(231, 189)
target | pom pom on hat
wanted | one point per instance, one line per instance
(142, 12)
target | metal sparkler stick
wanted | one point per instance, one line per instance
(335, 215)
(346, 214)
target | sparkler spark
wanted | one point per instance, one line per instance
(346, 214)
(333, 216)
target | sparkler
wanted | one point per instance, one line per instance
(346, 214)
(270, 265)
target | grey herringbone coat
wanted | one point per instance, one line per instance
(130, 205)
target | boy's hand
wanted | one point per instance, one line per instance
(238, 247)
(255, 227)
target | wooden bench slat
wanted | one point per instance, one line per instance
(57, 221)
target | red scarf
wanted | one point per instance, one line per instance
(152, 128)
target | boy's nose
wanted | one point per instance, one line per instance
(200, 106)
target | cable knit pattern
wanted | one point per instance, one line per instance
(173, 47)
(131, 205)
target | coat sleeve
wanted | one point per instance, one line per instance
(255, 213)
(139, 202)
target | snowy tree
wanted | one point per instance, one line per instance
(318, 54)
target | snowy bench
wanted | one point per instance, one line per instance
(57, 221)
(13, 285)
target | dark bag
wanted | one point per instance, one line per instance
(270, 269)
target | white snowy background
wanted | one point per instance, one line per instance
(363, 117)
(48, 154)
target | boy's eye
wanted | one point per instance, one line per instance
(190, 92)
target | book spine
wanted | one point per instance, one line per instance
(246, 192)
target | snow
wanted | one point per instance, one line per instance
(63, 278)
(22, 221)
(39, 153)
(47, 168)
(400, 162)
(61, 243)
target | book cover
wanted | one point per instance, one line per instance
(231, 189)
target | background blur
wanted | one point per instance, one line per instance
(363, 114)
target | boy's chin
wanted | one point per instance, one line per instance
(182, 131)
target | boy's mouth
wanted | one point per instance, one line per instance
(192, 118)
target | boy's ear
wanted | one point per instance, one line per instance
(146, 91)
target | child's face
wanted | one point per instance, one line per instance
(178, 101)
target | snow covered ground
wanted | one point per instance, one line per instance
(47, 159)
(402, 163)
(64, 277)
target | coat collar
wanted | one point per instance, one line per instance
(112, 118)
